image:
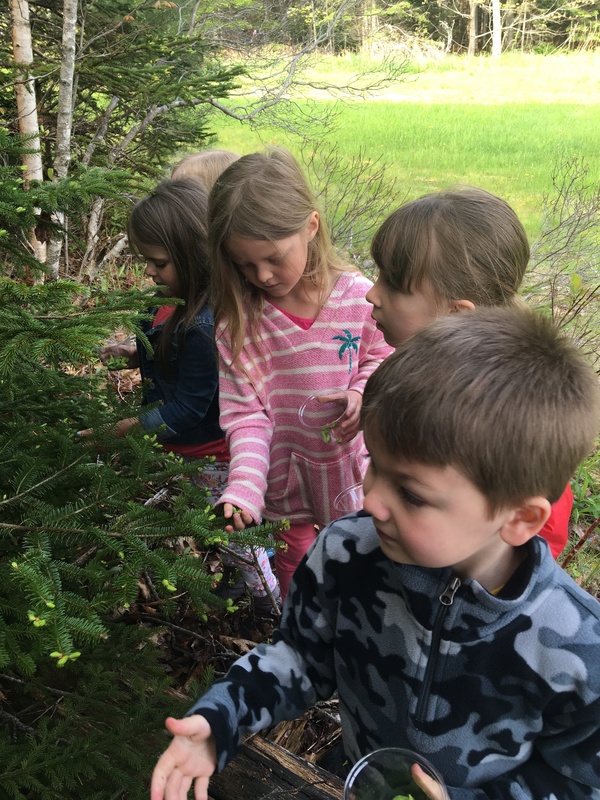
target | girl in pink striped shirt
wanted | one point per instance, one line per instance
(292, 321)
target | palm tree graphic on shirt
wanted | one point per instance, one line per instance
(350, 343)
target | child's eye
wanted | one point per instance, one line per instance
(412, 499)
(275, 261)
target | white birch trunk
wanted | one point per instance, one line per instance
(64, 120)
(473, 5)
(26, 103)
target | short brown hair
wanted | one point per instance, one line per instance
(467, 243)
(498, 393)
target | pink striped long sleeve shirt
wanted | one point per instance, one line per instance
(278, 468)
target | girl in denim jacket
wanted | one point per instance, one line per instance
(168, 229)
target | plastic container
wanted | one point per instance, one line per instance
(349, 500)
(324, 415)
(386, 775)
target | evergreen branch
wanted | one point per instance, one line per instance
(49, 689)
(16, 722)
(85, 531)
(41, 483)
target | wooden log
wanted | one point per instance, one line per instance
(263, 769)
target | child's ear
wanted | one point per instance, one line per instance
(312, 226)
(526, 521)
(461, 305)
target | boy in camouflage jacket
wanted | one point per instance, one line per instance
(437, 614)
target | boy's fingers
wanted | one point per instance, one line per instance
(201, 789)
(193, 726)
(159, 778)
(168, 780)
(429, 785)
(175, 786)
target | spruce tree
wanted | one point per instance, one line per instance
(82, 696)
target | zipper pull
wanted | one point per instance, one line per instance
(447, 596)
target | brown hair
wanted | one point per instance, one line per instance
(467, 243)
(498, 393)
(205, 166)
(261, 196)
(173, 216)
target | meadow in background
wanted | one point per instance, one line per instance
(525, 127)
(500, 124)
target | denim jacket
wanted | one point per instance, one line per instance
(189, 398)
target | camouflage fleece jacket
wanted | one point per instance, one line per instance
(500, 693)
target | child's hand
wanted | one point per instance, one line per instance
(431, 787)
(349, 426)
(119, 430)
(125, 350)
(240, 519)
(191, 755)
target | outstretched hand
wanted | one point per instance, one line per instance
(190, 758)
(118, 431)
(126, 350)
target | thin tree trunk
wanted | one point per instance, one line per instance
(523, 29)
(27, 115)
(509, 30)
(473, 6)
(64, 120)
(496, 29)
(193, 16)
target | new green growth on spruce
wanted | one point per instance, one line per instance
(81, 520)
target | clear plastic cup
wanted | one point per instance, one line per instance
(349, 500)
(324, 415)
(386, 775)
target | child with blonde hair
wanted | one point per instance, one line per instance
(448, 252)
(205, 166)
(292, 321)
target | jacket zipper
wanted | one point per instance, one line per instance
(446, 599)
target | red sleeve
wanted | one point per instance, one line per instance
(556, 529)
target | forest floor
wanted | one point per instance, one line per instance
(197, 651)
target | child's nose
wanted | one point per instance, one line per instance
(371, 296)
(374, 503)
(264, 273)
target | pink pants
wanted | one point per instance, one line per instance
(298, 539)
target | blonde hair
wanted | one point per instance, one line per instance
(466, 243)
(499, 393)
(261, 196)
(205, 166)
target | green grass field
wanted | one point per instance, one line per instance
(502, 125)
